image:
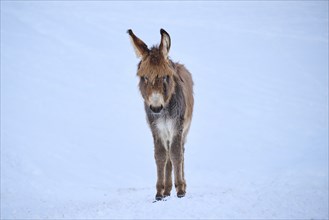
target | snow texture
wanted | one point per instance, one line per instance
(74, 138)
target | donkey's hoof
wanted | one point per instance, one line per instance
(180, 194)
(158, 197)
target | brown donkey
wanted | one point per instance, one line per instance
(167, 89)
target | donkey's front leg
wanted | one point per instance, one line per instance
(160, 155)
(168, 178)
(176, 155)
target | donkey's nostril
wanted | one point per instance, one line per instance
(156, 109)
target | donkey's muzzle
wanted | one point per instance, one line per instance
(156, 109)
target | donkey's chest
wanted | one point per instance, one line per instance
(166, 129)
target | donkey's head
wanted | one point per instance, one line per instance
(155, 70)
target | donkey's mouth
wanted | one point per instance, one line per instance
(156, 109)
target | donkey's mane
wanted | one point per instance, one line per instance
(155, 65)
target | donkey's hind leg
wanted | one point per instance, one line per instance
(177, 157)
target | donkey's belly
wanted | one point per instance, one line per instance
(166, 131)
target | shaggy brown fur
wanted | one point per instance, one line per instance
(167, 89)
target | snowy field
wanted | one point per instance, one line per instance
(74, 140)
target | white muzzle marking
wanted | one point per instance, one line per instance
(156, 99)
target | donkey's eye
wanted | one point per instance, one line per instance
(145, 79)
(166, 78)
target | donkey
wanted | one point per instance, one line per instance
(167, 90)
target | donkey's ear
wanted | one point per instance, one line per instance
(140, 47)
(165, 43)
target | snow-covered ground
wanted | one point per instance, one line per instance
(74, 139)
